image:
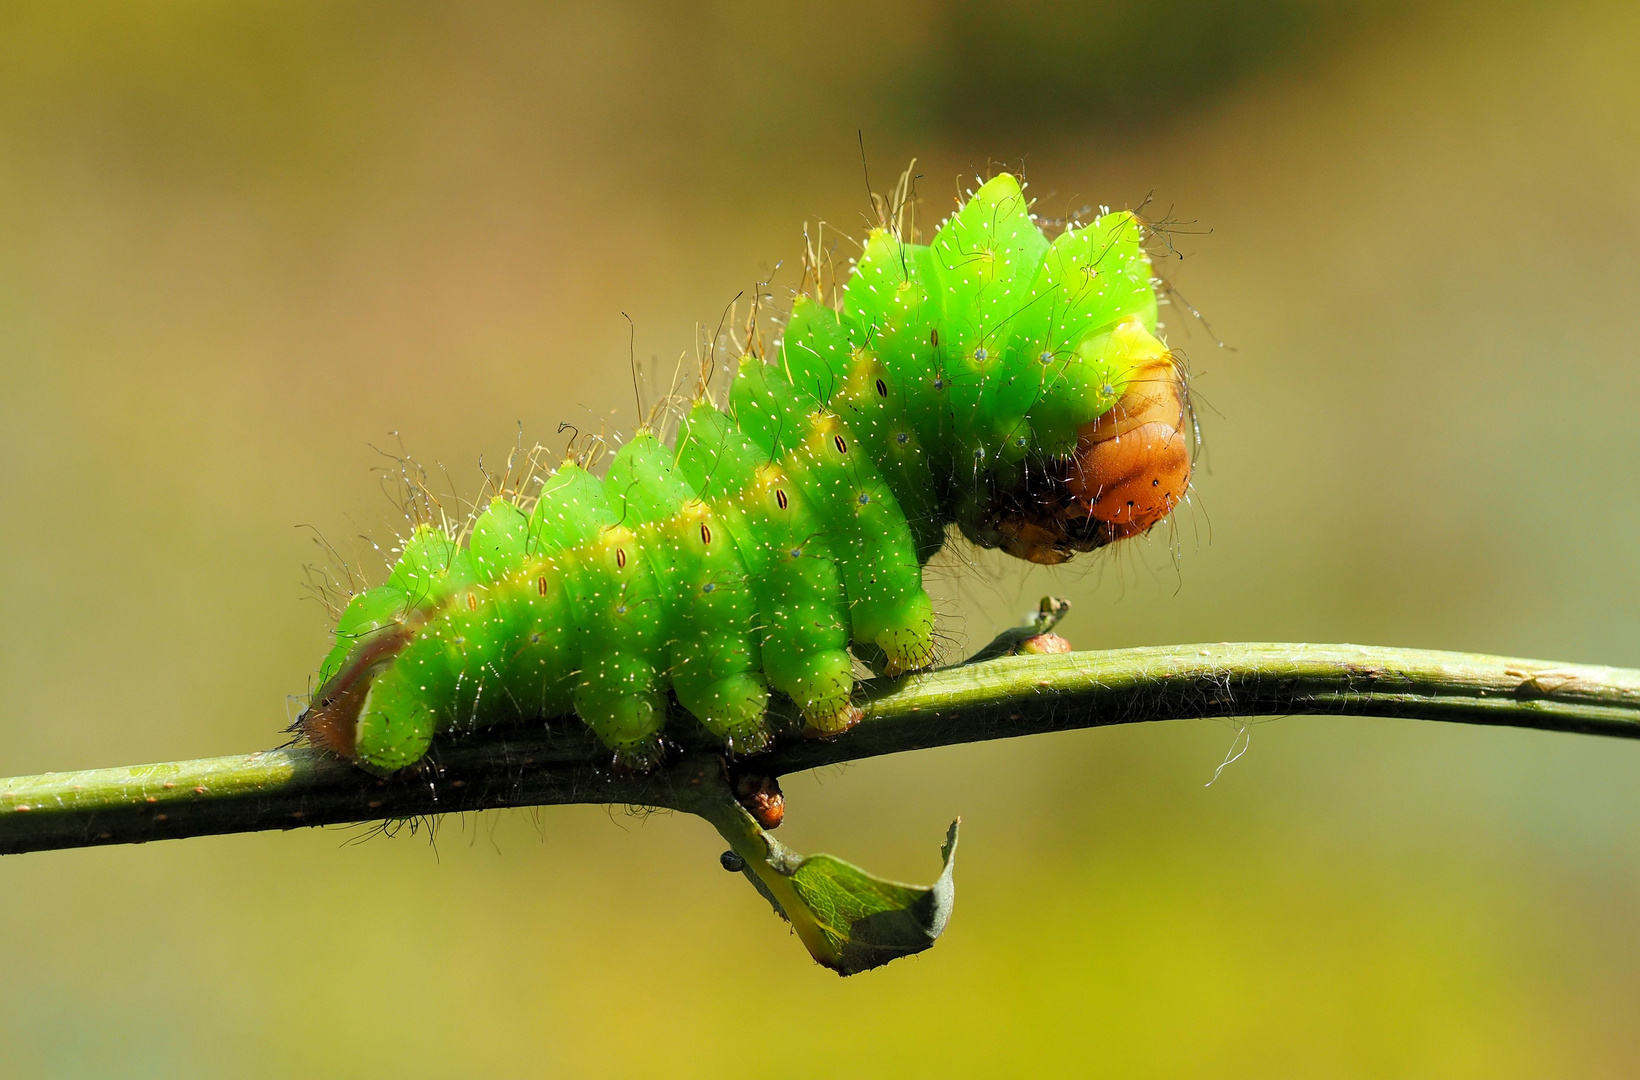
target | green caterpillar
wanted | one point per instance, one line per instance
(992, 379)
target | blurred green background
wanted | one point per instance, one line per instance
(241, 243)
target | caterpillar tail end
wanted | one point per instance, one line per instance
(332, 724)
(331, 720)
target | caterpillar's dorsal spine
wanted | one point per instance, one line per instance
(993, 378)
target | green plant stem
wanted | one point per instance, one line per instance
(769, 865)
(1012, 696)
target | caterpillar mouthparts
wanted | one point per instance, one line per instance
(990, 379)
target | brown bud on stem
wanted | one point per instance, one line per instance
(763, 799)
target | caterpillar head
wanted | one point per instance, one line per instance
(1129, 470)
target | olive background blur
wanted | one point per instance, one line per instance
(241, 244)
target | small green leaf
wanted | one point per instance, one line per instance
(847, 919)
(868, 921)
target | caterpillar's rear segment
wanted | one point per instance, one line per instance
(990, 379)
(378, 625)
(331, 720)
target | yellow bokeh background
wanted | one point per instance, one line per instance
(241, 244)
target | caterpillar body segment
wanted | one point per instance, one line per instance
(868, 533)
(802, 617)
(713, 654)
(993, 379)
(868, 396)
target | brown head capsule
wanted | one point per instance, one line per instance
(1130, 469)
(1133, 463)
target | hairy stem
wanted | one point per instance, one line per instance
(1019, 695)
